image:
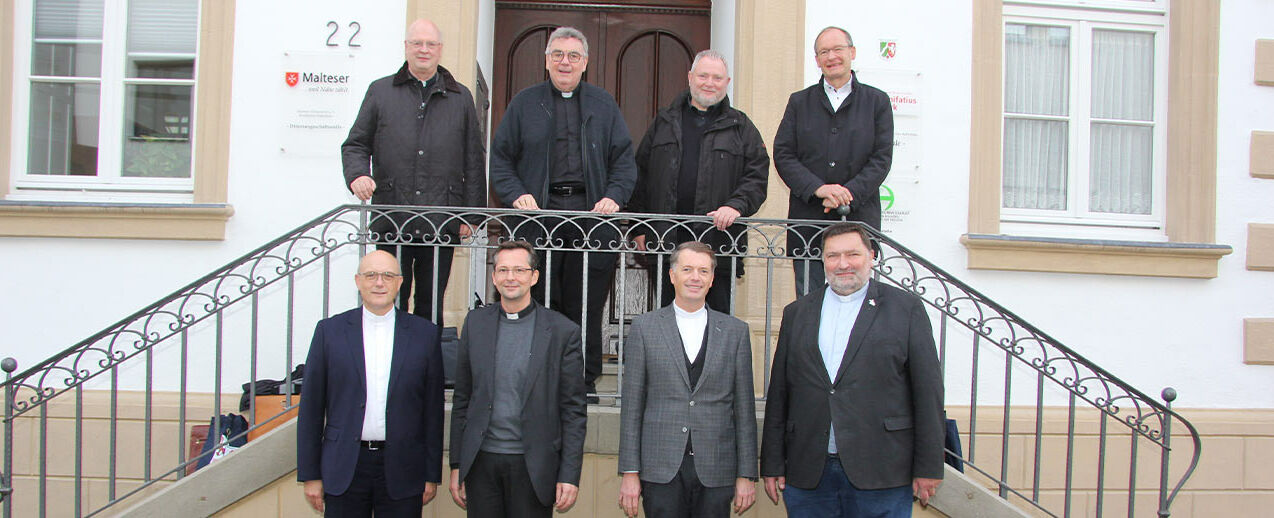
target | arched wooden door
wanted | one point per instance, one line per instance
(640, 53)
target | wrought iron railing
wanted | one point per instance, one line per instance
(185, 352)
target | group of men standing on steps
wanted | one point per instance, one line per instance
(370, 429)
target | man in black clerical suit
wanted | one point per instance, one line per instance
(518, 412)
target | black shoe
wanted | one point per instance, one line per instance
(591, 390)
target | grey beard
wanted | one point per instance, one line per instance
(706, 102)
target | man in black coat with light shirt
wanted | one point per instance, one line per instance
(416, 142)
(833, 149)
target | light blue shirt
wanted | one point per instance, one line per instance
(834, 325)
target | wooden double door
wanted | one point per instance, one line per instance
(638, 51)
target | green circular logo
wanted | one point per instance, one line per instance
(886, 197)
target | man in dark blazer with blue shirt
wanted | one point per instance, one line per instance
(369, 434)
(853, 416)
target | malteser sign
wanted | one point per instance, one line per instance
(315, 104)
(316, 78)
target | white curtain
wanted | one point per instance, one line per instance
(68, 19)
(1121, 154)
(1036, 82)
(163, 26)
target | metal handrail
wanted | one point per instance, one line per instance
(756, 239)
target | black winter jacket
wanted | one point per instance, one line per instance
(429, 156)
(734, 168)
(523, 146)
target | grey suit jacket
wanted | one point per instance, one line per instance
(660, 408)
(886, 398)
(554, 414)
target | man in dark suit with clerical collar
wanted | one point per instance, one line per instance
(853, 415)
(687, 444)
(369, 434)
(518, 412)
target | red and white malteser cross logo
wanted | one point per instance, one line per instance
(292, 78)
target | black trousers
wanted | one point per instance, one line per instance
(417, 263)
(685, 496)
(368, 496)
(498, 486)
(565, 282)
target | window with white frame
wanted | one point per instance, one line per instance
(1085, 119)
(107, 104)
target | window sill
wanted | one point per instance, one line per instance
(1038, 254)
(115, 220)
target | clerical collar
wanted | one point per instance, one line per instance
(566, 95)
(368, 316)
(852, 297)
(424, 83)
(526, 312)
(703, 310)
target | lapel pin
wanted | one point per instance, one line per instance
(871, 302)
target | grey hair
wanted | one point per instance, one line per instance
(848, 38)
(563, 33)
(710, 54)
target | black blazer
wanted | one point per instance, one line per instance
(852, 146)
(886, 399)
(334, 396)
(554, 414)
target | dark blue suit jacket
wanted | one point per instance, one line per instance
(334, 396)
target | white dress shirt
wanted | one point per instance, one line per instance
(836, 96)
(378, 350)
(691, 325)
(834, 326)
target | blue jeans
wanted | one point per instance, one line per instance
(836, 496)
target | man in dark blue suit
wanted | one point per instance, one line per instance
(369, 434)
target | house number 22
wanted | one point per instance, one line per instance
(336, 27)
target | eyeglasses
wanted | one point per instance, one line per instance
(572, 56)
(520, 271)
(385, 276)
(839, 49)
(415, 44)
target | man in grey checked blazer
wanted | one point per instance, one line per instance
(688, 442)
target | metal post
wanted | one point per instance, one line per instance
(364, 233)
(1169, 395)
(6, 476)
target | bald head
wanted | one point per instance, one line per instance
(379, 261)
(423, 24)
(423, 48)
